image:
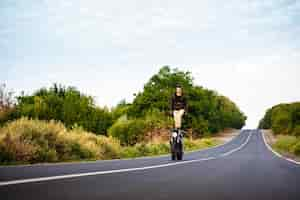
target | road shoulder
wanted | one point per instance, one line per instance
(271, 139)
(227, 135)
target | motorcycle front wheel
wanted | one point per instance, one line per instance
(179, 155)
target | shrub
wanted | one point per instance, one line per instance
(129, 132)
(199, 143)
(155, 119)
(67, 105)
(280, 123)
(110, 147)
(296, 148)
(130, 152)
(132, 131)
(283, 119)
(31, 141)
(286, 143)
(296, 130)
(200, 126)
(145, 149)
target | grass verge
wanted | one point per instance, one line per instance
(286, 145)
(153, 149)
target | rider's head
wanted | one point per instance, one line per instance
(178, 90)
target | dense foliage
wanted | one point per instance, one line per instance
(135, 130)
(67, 105)
(283, 119)
(208, 112)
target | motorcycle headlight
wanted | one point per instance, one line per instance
(174, 134)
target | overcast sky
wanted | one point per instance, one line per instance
(246, 50)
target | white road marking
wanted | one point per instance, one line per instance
(276, 153)
(31, 180)
(238, 148)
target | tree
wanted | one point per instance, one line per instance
(208, 109)
(65, 104)
(282, 119)
(6, 97)
(7, 104)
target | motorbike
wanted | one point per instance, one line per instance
(176, 144)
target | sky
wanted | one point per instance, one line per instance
(246, 50)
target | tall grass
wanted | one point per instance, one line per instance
(287, 143)
(32, 141)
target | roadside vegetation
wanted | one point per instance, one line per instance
(287, 144)
(62, 124)
(152, 149)
(284, 121)
(35, 141)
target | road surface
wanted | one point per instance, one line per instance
(241, 169)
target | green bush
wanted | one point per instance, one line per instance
(132, 131)
(120, 110)
(280, 121)
(200, 126)
(199, 143)
(32, 141)
(296, 148)
(129, 132)
(265, 122)
(286, 143)
(67, 105)
(296, 130)
(283, 119)
(130, 152)
(155, 119)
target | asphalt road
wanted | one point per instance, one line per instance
(241, 169)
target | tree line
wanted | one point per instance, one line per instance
(208, 112)
(282, 119)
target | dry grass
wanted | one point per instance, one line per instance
(32, 141)
(287, 145)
